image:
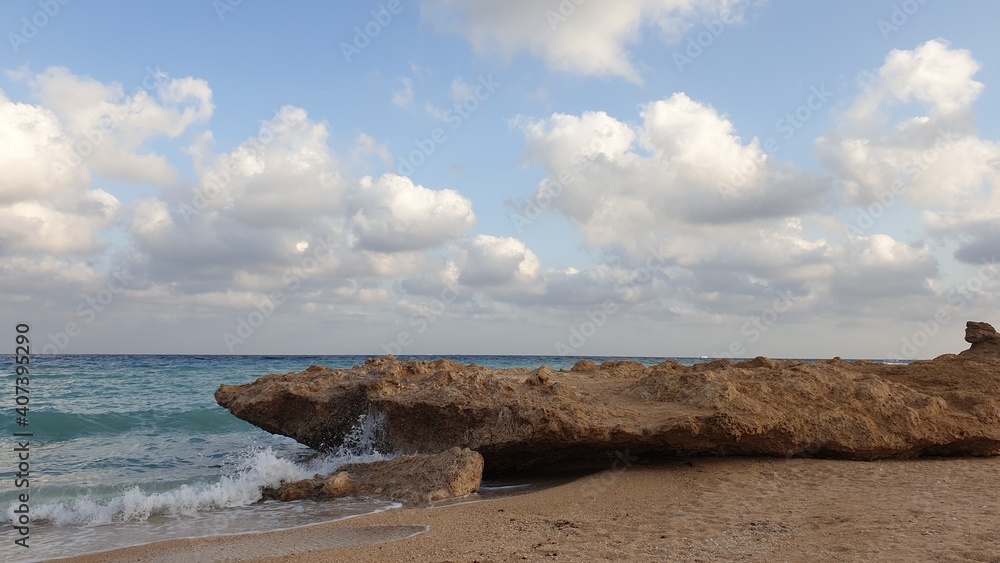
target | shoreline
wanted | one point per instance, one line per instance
(709, 509)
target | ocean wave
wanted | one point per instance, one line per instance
(252, 469)
(62, 426)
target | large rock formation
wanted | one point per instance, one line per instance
(984, 339)
(517, 418)
(412, 479)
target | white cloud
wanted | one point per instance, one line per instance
(45, 205)
(34, 226)
(23, 278)
(392, 214)
(977, 228)
(111, 128)
(461, 90)
(285, 176)
(489, 261)
(366, 145)
(277, 212)
(935, 159)
(403, 97)
(934, 75)
(33, 140)
(696, 220)
(685, 219)
(880, 267)
(588, 38)
(683, 165)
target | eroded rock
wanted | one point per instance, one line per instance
(518, 418)
(412, 480)
(984, 339)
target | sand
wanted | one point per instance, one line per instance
(692, 509)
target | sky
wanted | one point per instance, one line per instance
(722, 178)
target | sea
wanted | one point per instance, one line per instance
(125, 450)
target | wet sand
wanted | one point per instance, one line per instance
(695, 509)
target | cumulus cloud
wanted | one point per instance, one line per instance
(24, 279)
(910, 138)
(365, 146)
(881, 267)
(280, 211)
(683, 165)
(284, 176)
(392, 214)
(45, 205)
(587, 38)
(34, 226)
(697, 220)
(685, 219)
(33, 139)
(933, 74)
(489, 261)
(976, 228)
(934, 158)
(111, 128)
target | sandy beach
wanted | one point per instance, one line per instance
(691, 509)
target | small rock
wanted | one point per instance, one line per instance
(540, 377)
(296, 490)
(339, 486)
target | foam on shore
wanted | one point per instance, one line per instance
(229, 505)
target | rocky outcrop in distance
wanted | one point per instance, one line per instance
(984, 339)
(517, 418)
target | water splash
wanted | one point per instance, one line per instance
(250, 470)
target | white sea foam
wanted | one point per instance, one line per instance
(253, 469)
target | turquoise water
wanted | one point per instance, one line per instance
(133, 449)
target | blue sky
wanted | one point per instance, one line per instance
(659, 245)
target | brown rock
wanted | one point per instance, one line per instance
(714, 365)
(984, 339)
(339, 485)
(946, 406)
(540, 377)
(296, 490)
(758, 362)
(419, 479)
(412, 480)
